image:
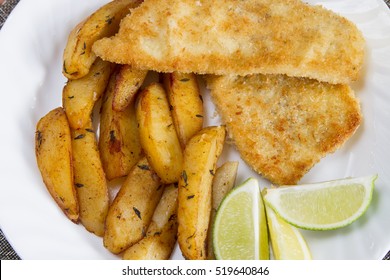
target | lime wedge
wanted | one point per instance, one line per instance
(240, 227)
(322, 206)
(286, 240)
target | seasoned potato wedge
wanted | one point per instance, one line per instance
(160, 238)
(78, 56)
(158, 135)
(53, 149)
(195, 190)
(89, 179)
(119, 143)
(79, 96)
(223, 182)
(186, 103)
(132, 209)
(128, 81)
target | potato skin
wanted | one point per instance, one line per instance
(78, 55)
(79, 96)
(160, 238)
(157, 133)
(53, 149)
(186, 104)
(132, 209)
(195, 190)
(90, 180)
(119, 142)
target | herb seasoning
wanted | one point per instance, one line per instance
(184, 177)
(143, 167)
(80, 136)
(109, 20)
(39, 138)
(64, 68)
(112, 136)
(137, 212)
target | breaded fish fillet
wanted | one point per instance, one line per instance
(238, 37)
(282, 126)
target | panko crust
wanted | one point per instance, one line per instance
(283, 126)
(238, 37)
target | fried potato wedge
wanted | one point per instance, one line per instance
(119, 144)
(79, 96)
(53, 149)
(132, 209)
(223, 182)
(90, 180)
(160, 238)
(195, 190)
(128, 81)
(186, 103)
(157, 133)
(78, 55)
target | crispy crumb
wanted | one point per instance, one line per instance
(285, 125)
(238, 37)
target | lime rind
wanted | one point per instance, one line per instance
(272, 196)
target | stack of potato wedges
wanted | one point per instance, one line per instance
(148, 137)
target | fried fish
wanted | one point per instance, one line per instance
(282, 126)
(238, 37)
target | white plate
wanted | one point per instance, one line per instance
(31, 45)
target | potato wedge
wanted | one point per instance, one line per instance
(53, 149)
(89, 179)
(223, 182)
(158, 135)
(195, 190)
(79, 96)
(186, 104)
(128, 81)
(160, 238)
(132, 209)
(78, 56)
(119, 143)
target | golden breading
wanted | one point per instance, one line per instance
(282, 126)
(238, 37)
